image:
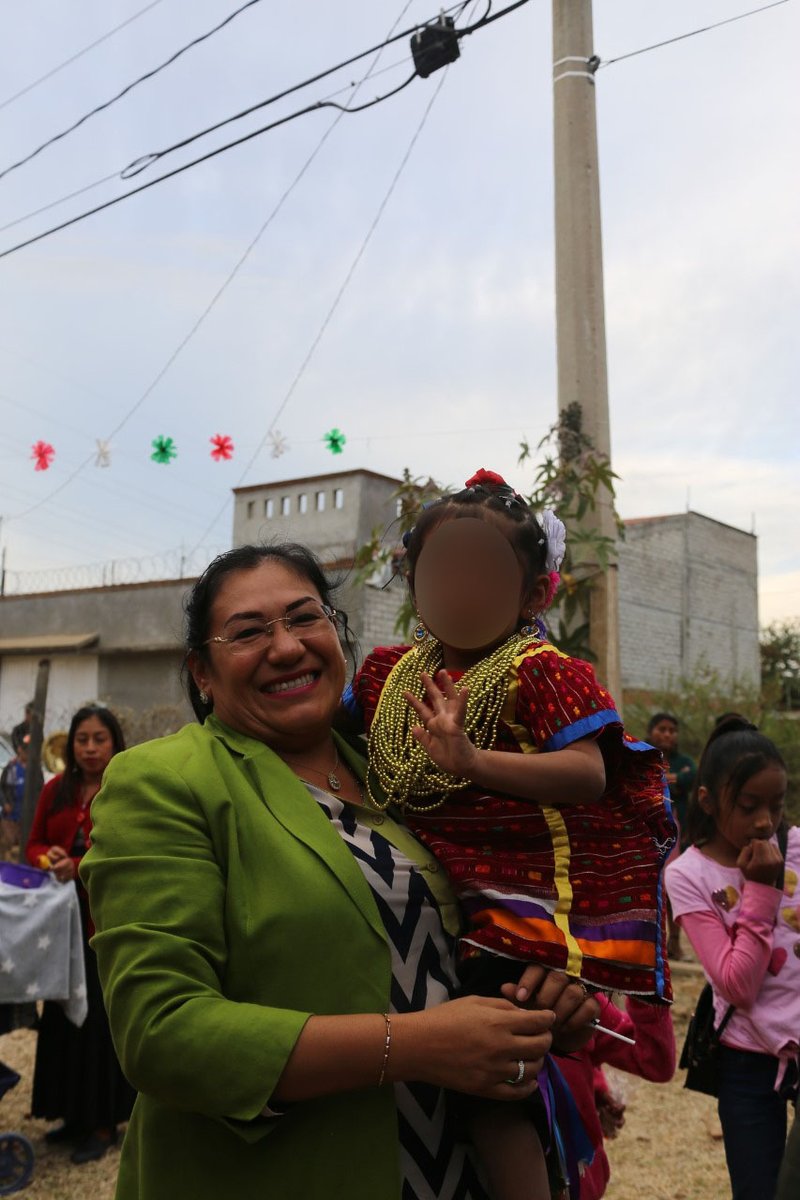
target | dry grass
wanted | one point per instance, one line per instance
(667, 1151)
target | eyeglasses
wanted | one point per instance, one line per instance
(252, 635)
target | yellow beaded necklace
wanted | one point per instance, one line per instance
(397, 761)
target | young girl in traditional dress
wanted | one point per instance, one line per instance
(738, 904)
(510, 763)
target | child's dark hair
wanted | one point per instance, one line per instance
(658, 717)
(490, 492)
(198, 604)
(733, 754)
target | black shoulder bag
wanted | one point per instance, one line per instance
(700, 1053)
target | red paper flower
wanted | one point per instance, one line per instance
(486, 477)
(43, 454)
(223, 447)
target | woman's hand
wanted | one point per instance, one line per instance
(441, 728)
(61, 864)
(574, 1008)
(473, 1045)
(760, 862)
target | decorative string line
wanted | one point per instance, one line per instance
(217, 296)
(336, 300)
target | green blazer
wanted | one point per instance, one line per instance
(227, 911)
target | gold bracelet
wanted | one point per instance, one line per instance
(386, 1048)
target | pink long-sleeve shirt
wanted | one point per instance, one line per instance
(747, 937)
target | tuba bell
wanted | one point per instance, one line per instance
(54, 751)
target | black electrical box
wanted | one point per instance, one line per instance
(434, 46)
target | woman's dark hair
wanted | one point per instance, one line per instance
(658, 717)
(733, 754)
(199, 602)
(528, 538)
(71, 778)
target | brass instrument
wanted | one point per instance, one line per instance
(54, 751)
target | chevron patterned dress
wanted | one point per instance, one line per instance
(434, 1164)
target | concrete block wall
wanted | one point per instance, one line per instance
(381, 607)
(688, 598)
(354, 502)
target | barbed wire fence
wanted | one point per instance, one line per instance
(171, 564)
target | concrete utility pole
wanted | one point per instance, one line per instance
(33, 773)
(580, 313)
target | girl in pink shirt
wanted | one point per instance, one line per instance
(738, 903)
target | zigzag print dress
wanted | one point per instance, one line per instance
(434, 1164)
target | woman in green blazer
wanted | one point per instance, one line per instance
(244, 955)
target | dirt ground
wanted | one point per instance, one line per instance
(669, 1148)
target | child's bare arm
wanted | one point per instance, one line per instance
(574, 775)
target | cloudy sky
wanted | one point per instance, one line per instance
(429, 218)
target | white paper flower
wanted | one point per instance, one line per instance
(277, 443)
(556, 534)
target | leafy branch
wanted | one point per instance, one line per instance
(570, 477)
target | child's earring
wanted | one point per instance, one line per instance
(203, 696)
(533, 627)
(420, 633)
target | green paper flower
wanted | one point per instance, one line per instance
(335, 441)
(164, 449)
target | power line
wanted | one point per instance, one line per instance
(62, 200)
(129, 88)
(336, 301)
(606, 62)
(73, 58)
(350, 87)
(217, 296)
(147, 160)
(196, 161)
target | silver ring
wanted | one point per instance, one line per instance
(520, 1074)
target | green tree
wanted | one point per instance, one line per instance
(780, 661)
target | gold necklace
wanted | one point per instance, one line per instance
(397, 761)
(333, 780)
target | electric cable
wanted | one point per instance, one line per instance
(147, 160)
(218, 294)
(73, 58)
(129, 88)
(607, 62)
(62, 200)
(332, 309)
(318, 105)
(350, 87)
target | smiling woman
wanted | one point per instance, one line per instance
(277, 957)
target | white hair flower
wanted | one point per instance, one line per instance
(556, 534)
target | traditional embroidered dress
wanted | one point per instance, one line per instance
(576, 888)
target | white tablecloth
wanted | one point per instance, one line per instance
(41, 947)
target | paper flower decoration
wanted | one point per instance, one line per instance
(335, 440)
(103, 456)
(556, 535)
(277, 442)
(223, 447)
(164, 449)
(42, 454)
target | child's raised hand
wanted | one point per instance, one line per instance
(441, 729)
(760, 862)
